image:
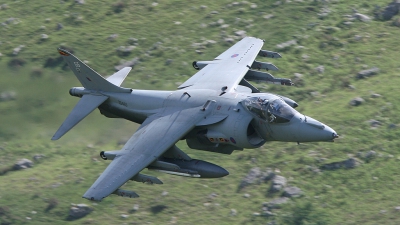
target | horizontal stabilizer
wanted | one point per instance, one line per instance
(146, 179)
(269, 54)
(84, 107)
(118, 77)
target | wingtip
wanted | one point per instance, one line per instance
(54, 138)
(63, 52)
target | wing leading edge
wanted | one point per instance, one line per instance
(230, 67)
(153, 138)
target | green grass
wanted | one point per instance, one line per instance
(353, 196)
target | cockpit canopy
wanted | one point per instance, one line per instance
(273, 111)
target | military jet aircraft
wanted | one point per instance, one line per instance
(216, 110)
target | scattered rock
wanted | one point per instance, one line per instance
(8, 96)
(241, 33)
(362, 17)
(356, 101)
(370, 154)
(246, 195)
(278, 183)
(81, 2)
(125, 50)
(268, 16)
(112, 37)
(212, 195)
(374, 123)
(320, 69)
(251, 177)
(129, 63)
(375, 95)
(164, 193)
(287, 44)
(348, 164)
(229, 40)
(276, 203)
(168, 62)
(268, 213)
(367, 73)
(79, 210)
(59, 26)
(18, 49)
(133, 41)
(56, 185)
(23, 164)
(233, 212)
(135, 207)
(257, 176)
(124, 216)
(38, 157)
(397, 208)
(292, 192)
(44, 37)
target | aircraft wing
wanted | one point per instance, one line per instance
(156, 135)
(227, 69)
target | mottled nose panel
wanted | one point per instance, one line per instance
(313, 130)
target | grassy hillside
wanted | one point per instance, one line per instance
(167, 36)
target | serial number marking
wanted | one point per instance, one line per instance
(123, 103)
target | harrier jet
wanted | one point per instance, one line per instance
(216, 110)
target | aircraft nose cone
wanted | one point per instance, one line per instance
(330, 133)
(313, 130)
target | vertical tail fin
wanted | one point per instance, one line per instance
(90, 79)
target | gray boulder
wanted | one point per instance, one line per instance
(391, 10)
(8, 96)
(362, 17)
(286, 44)
(292, 192)
(367, 73)
(347, 164)
(252, 177)
(129, 63)
(18, 49)
(356, 101)
(275, 204)
(278, 183)
(125, 50)
(256, 176)
(374, 123)
(79, 210)
(59, 26)
(23, 164)
(320, 69)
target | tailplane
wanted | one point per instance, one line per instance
(92, 97)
